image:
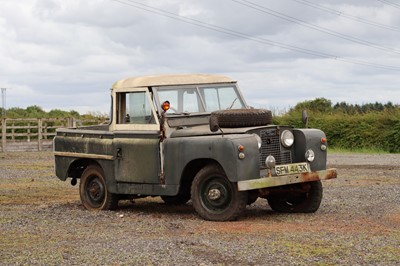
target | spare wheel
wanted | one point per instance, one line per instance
(242, 117)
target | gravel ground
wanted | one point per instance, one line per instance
(42, 222)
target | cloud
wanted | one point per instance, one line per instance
(67, 54)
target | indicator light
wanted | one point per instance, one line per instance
(165, 106)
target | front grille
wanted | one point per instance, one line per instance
(271, 145)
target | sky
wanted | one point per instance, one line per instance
(66, 55)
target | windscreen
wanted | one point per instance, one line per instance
(200, 99)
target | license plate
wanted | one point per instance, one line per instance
(294, 168)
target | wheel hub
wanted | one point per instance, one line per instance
(214, 194)
(94, 190)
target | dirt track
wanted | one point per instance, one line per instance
(43, 222)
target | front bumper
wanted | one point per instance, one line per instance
(274, 181)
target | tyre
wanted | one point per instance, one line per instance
(242, 117)
(176, 200)
(214, 197)
(93, 190)
(298, 201)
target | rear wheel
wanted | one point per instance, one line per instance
(300, 198)
(93, 190)
(214, 197)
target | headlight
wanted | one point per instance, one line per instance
(287, 138)
(259, 140)
(310, 155)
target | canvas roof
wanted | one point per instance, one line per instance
(171, 80)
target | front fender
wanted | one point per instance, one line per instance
(310, 139)
(179, 152)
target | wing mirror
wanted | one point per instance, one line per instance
(304, 118)
(214, 127)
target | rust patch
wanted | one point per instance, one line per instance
(331, 174)
(307, 177)
(314, 176)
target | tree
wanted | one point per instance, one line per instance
(318, 105)
(35, 111)
(16, 112)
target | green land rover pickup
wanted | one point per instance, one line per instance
(193, 137)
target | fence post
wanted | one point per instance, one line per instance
(40, 136)
(45, 130)
(4, 134)
(29, 132)
(69, 122)
(12, 132)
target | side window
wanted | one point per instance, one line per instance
(134, 108)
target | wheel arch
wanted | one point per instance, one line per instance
(190, 171)
(77, 167)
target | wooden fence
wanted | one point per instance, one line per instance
(35, 134)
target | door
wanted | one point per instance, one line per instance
(136, 138)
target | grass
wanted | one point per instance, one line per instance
(360, 150)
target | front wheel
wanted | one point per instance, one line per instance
(93, 190)
(214, 197)
(298, 198)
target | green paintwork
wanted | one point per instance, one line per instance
(181, 151)
(139, 161)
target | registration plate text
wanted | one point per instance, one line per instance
(294, 168)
